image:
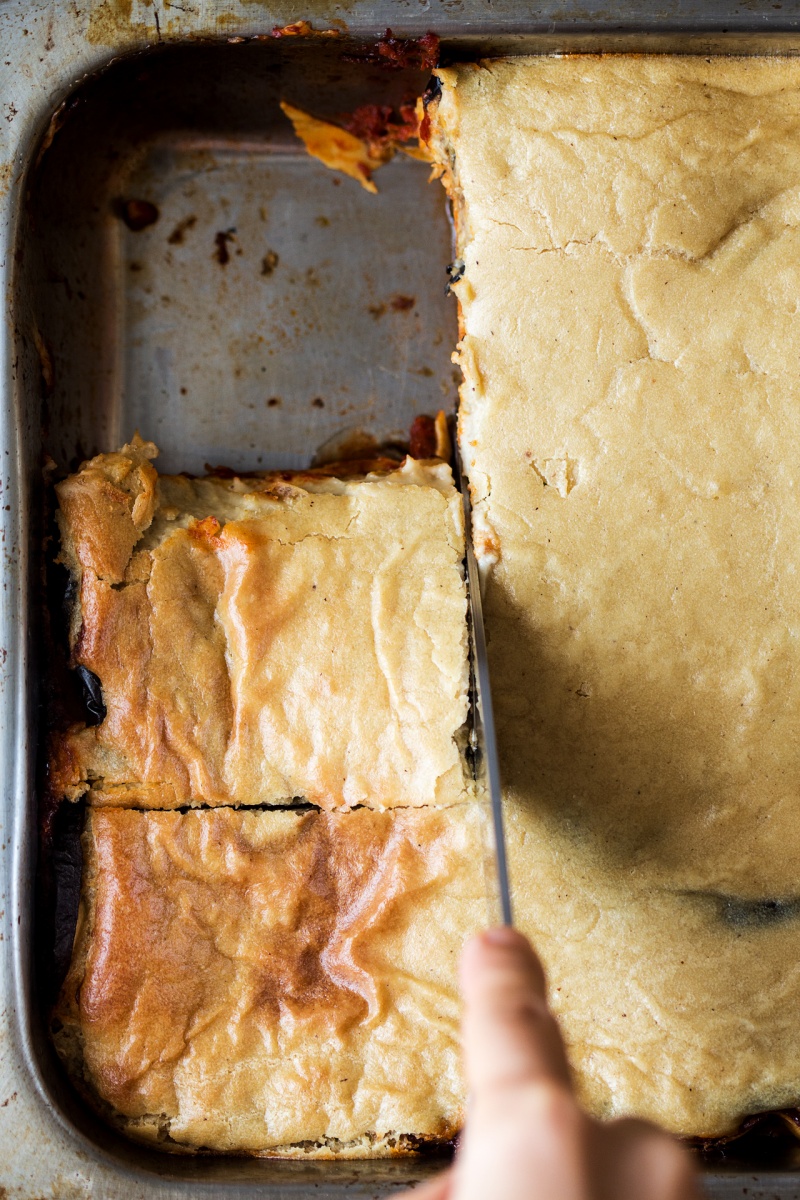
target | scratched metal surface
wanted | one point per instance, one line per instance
(262, 361)
(152, 329)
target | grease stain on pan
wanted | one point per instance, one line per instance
(110, 22)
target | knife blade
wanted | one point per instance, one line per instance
(483, 739)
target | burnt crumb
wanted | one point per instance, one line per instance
(377, 310)
(92, 696)
(432, 91)
(323, 222)
(318, 402)
(181, 229)
(221, 240)
(455, 271)
(274, 402)
(137, 214)
(269, 262)
(402, 303)
(135, 266)
(183, 391)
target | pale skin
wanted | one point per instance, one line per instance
(526, 1137)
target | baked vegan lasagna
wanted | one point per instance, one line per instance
(628, 276)
(282, 854)
(266, 639)
(276, 982)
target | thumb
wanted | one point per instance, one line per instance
(510, 1035)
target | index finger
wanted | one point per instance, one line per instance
(510, 1035)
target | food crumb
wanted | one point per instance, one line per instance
(138, 214)
(269, 262)
(221, 239)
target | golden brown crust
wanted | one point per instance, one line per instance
(266, 638)
(629, 230)
(246, 981)
(106, 507)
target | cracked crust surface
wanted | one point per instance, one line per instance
(630, 229)
(264, 639)
(273, 982)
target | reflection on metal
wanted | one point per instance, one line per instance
(483, 740)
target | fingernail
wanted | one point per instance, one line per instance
(503, 935)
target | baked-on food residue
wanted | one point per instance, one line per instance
(396, 53)
(629, 230)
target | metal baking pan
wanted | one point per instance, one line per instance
(269, 305)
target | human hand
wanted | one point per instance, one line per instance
(526, 1137)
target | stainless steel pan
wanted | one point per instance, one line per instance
(250, 361)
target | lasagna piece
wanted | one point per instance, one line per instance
(273, 982)
(628, 274)
(266, 639)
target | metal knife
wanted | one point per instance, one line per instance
(483, 740)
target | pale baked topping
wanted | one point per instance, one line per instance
(629, 229)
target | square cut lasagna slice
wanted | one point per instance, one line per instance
(273, 982)
(629, 235)
(266, 639)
